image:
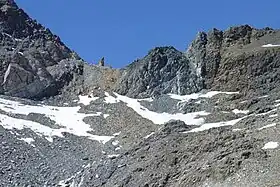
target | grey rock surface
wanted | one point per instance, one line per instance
(163, 70)
(34, 62)
(234, 59)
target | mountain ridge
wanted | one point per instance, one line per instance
(207, 116)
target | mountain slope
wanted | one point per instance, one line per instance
(208, 116)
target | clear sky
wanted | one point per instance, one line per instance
(124, 30)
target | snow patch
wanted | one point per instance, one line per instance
(277, 105)
(245, 101)
(28, 140)
(207, 126)
(161, 118)
(270, 145)
(268, 126)
(6, 34)
(264, 96)
(110, 99)
(186, 98)
(18, 40)
(265, 113)
(198, 102)
(115, 143)
(271, 45)
(106, 115)
(74, 183)
(147, 99)
(117, 133)
(86, 99)
(273, 116)
(149, 135)
(87, 166)
(68, 118)
(225, 112)
(113, 156)
(236, 111)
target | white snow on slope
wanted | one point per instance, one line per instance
(66, 182)
(273, 115)
(207, 126)
(113, 156)
(106, 115)
(44, 131)
(268, 126)
(27, 140)
(149, 135)
(277, 105)
(16, 39)
(236, 111)
(117, 133)
(67, 118)
(161, 118)
(270, 145)
(185, 98)
(110, 99)
(264, 96)
(271, 45)
(115, 143)
(147, 99)
(265, 113)
(86, 99)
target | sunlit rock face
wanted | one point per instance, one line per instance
(34, 62)
(164, 70)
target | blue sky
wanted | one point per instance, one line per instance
(124, 30)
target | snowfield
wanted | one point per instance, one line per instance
(186, 98)
(270, 145)
(68, 118)
(271, 45)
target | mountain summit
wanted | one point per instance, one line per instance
(207, 116)
(35, 63)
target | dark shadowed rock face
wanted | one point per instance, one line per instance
(34, 62)
(163, 70)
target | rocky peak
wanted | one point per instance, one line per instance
(207, 64)
(29, 55)
(163, 70)
(215, 52)
(241, 34)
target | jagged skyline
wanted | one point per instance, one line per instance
(122, 31)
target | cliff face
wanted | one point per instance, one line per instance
(34, 62)
(163, 70)
(235, 60)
